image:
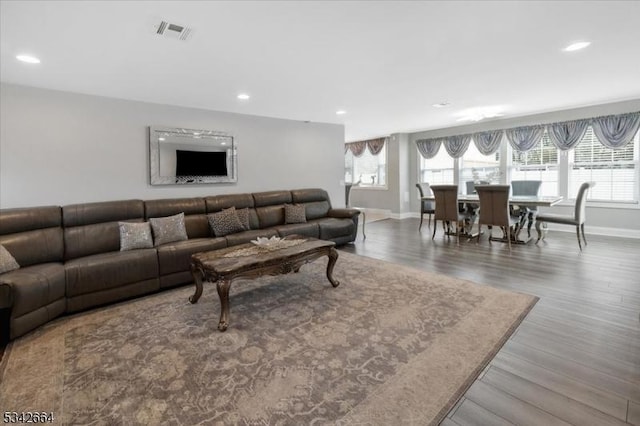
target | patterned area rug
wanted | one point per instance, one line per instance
(390, 345)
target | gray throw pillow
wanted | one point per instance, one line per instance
(294, 213)
(168, 229)
(243, 216)
(225, 222)
(7, 261)
(135, 235)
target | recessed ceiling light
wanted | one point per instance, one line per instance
(28, 59)
(243, 96)
(576, 46)
(341, 112)
(441, 104)
(161, 139)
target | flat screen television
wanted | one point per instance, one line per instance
(201, 163)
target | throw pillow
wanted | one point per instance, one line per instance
(225, 222)
(7, 261)
(243, 216)
(294, 213)
(168, 229)
(135, 235)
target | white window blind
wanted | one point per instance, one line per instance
(474, 165)
(615, 172)
(540, 163)
(437, 170)
(370, 170)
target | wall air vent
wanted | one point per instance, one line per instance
(175, 31)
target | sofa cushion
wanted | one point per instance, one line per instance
(307, 229)
(317, 209)
(168, 229)
(270, 198)
(294, 213)
(194, 209)
(243, 216)
(7, 261)
(35, 286)
(225, 222)
(309, 195)
(176, 257)
(331, 228)
(109, 270)
(270, 216)
(135, 235)
(247, 236)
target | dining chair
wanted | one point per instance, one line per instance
(426, 206)
(446, 208)
(494, 209)
(525, 187)
(577, 219)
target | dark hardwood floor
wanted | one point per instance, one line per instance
(575, 359)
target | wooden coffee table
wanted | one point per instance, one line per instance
(249, 261)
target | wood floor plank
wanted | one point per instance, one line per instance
(471, 414)
(606, 402)
(510, 408)
(579, 341)
(572, 369)
(552, 402)
(633, 415)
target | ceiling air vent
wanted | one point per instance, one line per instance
(178, 32)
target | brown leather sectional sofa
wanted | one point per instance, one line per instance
(70, 257)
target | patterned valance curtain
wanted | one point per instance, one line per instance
(357, 148)
(488, 142)
(524, 139)
(376, 145)
(615, 131)
(567, 134)
(429, 148)
(456, 146)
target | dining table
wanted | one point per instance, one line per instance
(472, 204)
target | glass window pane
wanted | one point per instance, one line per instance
(540, 163)
(368, 169)
(437, 170)
(476, 167)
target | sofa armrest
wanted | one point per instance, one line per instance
(6, 295)
(343, 213)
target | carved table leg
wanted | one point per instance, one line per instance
(197, 278)
(333, 257)
(223, 292)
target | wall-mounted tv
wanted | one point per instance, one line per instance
(201, 163)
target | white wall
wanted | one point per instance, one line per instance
(60, 148)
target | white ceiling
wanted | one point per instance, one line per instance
(385, 63)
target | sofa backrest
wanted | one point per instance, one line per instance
(316, 201)
(194, 209)
(270, 207)
(92, 228)
(239, 201)
(32, 235)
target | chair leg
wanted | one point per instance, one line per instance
(479, 232)
(578, 234)
(435, 222)
(509, 237)
(583, 237)
(458, 233)
(429, 220)
(421, 217)
(538, 230)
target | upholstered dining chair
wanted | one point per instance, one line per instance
(426, 206)
(577, 219)
(446, 208)
(526, 187)
(494, 209)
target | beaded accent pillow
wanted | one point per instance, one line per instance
(225, 222)
(168, 229)
(295, 213)
(135, 235)
(243, 216)
(7, 261)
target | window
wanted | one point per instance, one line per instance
(370, 170)
(475, 166)
(540, 163)
(614, 171)
(437, 170)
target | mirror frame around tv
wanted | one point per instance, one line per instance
(165, 142)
